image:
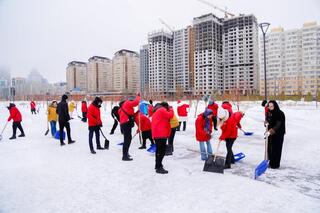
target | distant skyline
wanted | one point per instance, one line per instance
(46, 35)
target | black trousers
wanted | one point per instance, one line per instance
(146, 135)
(160, 152)
(127, 137)
(172, 134)
(84, 116)
(230, 156)
(184, 126)
(33, 111)
(115, 124)
(63, 125)
(15, 125)
(275, 143)
(214, 120)
(96, 131)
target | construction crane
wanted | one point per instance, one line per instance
(165, 24)
(226, 13)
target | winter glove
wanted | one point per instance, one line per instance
(271, 131)
(266, 134)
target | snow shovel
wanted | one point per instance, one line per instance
(239, 156)
(215, 163)
(121, 144)
(106, 141)
(57, 135)
(246, 133)
(152, 148)
(3, 130)
(263, 166)
(47, 131)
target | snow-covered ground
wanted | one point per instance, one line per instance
(37, 175)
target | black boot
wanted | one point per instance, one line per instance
(70, 142)
(143, 147)
(127, 158)
(62, 144)
(12, 137)
(161, 171)
(93, 152)
(22, 135)
(101, 148)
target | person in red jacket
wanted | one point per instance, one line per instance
(214, 107)
(126, 113)
(203, 132)
(84, 110)
(229, 134)
(144, 125)
(226, 105)
(183, 114)
(150, 108)
(161, 128)
(33, 107)
(15, 115)
(95, 123)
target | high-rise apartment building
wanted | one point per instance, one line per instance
(126, 71)
(181, 60)
(144, 68)
(99, 74)
(208, 54)
(293, 61)
(161, 81)
(240, 55)
(76, 76)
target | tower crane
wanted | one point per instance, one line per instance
(226, 13)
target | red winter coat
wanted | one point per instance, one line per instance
(94, 117)
(127, 106)
(150, 110)
(201, 134)
(15, 114)
(145, 123)
(182, 110)
(230, 127)
(84, 107)
(160, 124)
(32, 105)
(214, 107)
(228, 107)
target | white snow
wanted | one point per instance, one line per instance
(37, 175)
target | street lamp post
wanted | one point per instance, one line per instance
(264, 28)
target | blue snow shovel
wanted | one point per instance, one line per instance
(239, 156)
(57, 135)
(246, 133)
(263, 166)
(152, 148)
(120, 144)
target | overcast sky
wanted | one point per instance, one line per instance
(47, 34)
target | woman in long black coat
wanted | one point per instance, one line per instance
(276, 122)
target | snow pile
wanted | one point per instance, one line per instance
(37, 175)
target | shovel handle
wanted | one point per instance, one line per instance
(4, 127)
(214, 159)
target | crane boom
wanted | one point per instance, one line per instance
(217, 8)
(165, 24)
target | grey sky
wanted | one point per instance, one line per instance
(47, 34)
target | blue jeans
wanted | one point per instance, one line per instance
(205, 153)
(53, 128)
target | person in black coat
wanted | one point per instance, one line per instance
(116, 118)
(276, 124)
(64, 117)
